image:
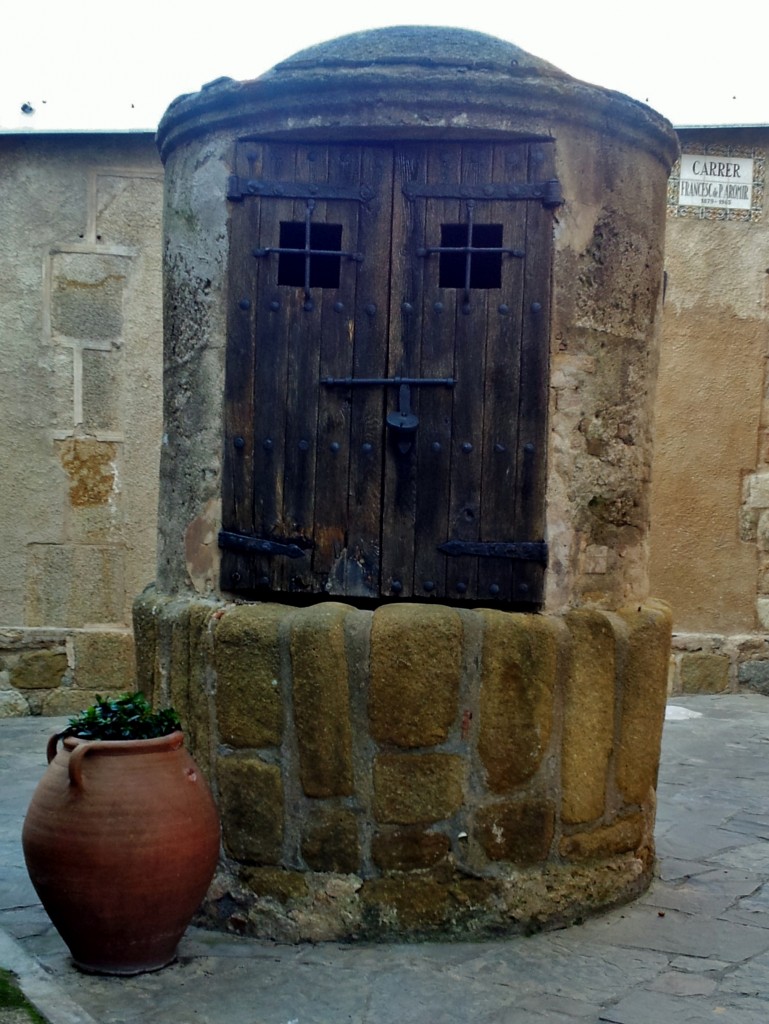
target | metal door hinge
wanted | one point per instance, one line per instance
(258, 545)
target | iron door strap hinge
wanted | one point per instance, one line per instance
(547, 192)
(241, 188)
(244, 544)
(524, 551)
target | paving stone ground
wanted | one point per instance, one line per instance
(694, 949)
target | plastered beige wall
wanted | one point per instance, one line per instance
(706, 545)
(80, 394)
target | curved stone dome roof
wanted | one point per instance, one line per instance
(407, 82)
(420, 45)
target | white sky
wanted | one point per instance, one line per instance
(92, 64)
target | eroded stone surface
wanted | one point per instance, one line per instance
(251, 796)
(415, 669)
(519, 831)
(644, 691)
(516, 703)
(588, 715)
(412, 788)
(321, 700)
(331, 841)
(248, 675)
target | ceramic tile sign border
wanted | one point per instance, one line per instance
(714, 182)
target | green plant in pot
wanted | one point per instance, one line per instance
(121, 838)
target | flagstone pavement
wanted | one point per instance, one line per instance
(694, 949)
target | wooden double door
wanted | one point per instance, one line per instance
(387, 367)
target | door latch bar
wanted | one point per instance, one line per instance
(547, 192)
(525, 551)
(371, 382)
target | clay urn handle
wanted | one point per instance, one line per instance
(53, 743)
(75, 766)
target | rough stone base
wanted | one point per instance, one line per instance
(60, 671)
(417, 770)
(317, 907)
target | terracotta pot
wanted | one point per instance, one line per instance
(121, 841)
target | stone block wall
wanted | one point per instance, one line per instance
(418, 769)
(719, 663)
(60, 671)
(80, 411)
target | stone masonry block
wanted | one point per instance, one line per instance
(519, 662)
(39, 670)
(90, 466)
(67, 701)
(588, 715)
(519, 831)
(74, 584)
(762, 611)
(322, 700)
(104, 661)
(275, 883)
(101, 390)
(247, 662)
(416, 656)
(13, 704)
(198, 711)
(619, 837)
(757, 487)
(146, 612)
(331, 841)
(644, 694)
(417, 904)
(704, 673)
(87, 299)
(413, 788)
(755, 675)
(251, 805)
(408, 849)
(173, 655)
